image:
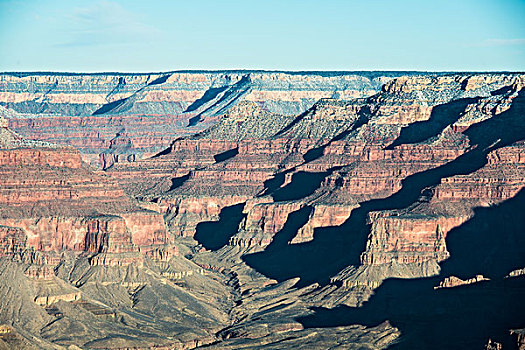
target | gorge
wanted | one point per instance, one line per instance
(262, 210)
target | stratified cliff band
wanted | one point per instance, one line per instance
(262, 210)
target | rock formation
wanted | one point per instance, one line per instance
(123, 117)
(303, 210)
(51, 201)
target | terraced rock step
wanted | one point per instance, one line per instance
(345, 210)
(92, 111)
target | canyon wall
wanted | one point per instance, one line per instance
(51, 201)
(258, 208)
(335, 156)
(123, 117)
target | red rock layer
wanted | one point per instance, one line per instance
(399, 236)
(89, 111)
(368, 169)
(50, 201)
(262, 222)
(408, 239)
(185, 213)
(500, 179)
(322, 216)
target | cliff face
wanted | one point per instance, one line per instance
(373, 183)
(336, 155)
(123, 117)
(382, 196)
(77, 253)
(52, 202)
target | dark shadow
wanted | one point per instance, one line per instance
(241, 86)
(492, 243)
(163, 152)
(194, 120)
(275, 182)
(317, 152)
(208, 96)
(228, 95)
(160, 80)
(314, 261)
(441, 116)
(293, 122)
(312, 180)
(302, 185)
(314, 153)
(463, 317)
(221, 157)
(214, 235)
(168, 149)
(109, 107)
(335, 248)
(120, 84)
(179, 181)
(274, 262)
(502, 91)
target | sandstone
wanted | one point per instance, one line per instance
(263, 221)
(184, 213)
(453, 281)
(51, 202)
(396, 238)
(89, 111)
(322, 216)
(233, 207)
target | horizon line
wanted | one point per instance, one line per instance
(240, 70)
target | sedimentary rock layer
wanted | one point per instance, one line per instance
(52, 202)
(122, 117)
(285, 214)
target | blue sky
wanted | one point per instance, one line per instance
(155, 35)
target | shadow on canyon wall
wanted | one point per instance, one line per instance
(461, 317)
(208, 96)
(224, 156)
(213, 97)
(492, 243)
(363, 116)
(179, 181)
(305, 183)
(334, 248)
(302, 185)
(214, 235)
(441, 116)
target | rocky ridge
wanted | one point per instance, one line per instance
(373, 183)
(116, 117)
(309, 229)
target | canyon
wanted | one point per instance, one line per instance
(262, 210)
(122, 117)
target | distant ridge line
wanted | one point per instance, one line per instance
(327, 73)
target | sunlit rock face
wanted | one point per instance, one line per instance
(249, 209)
(52, 202)
(347, 152)
(115, 118)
